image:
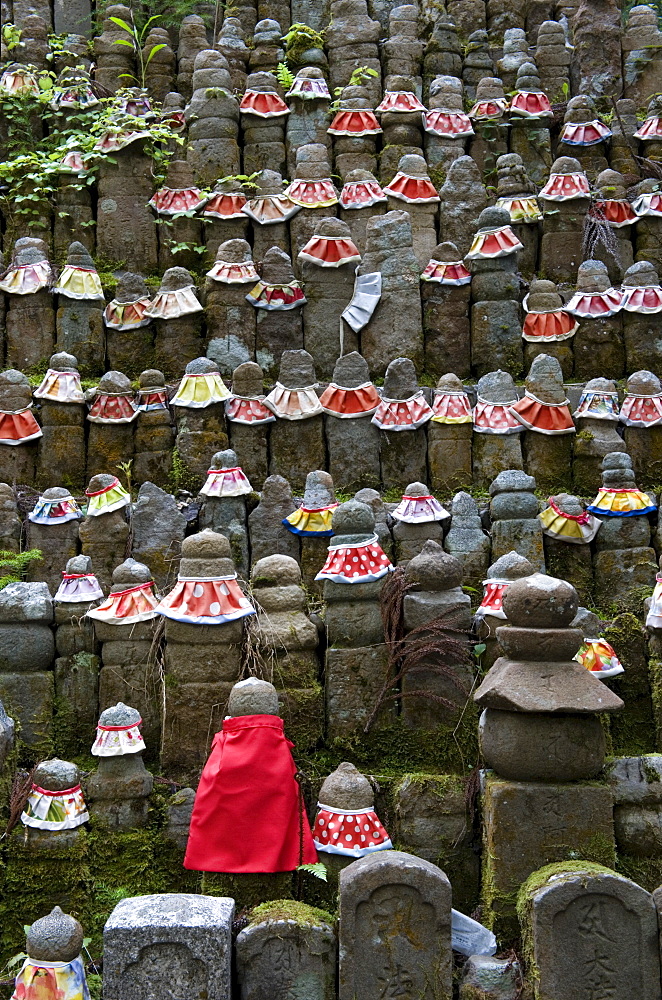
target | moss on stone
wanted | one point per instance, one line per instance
(646, 872)
(290, 909)
(633, 729)
(248, 891)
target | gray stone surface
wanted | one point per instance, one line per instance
(593, 933)
(56, 937)
(253, 697)
(281, 959)
(394, 928)
(175, 944)
(485, 976)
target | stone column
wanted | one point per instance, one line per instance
(418, 519)
(491, 138)
(192, 40)
(268, 534)
(286, 640)
(129, 332)
(400, 416)
(447, 128)
(497, 441)
(643, 431)
(312, 524)
(263, 132)
(496, 329)
(269, 209)
(568, 556)
(328, 265)
(541, 739)
(478, 62)
(62, 453)
(351, 40)
(548, 437)
(154, 431)
(77, 664)
(597, 32)
(129, 671)
(530, 137)
(360, 199)
(552, 59)
(30, 315)
(565, 201)
(307, 121)
(450, 433)
(443, 55)
(266, 51)
(436, 596)
(356, 657)
(642, 346)
(157, 531)
(178, 195)
(412, 186)
(446, 324)
(203, 658)
(598, 343)
(515, 49)
(80, 311)
(597, 422)
(624, 561)
(125, 224)
(467, 540)
(104, 535)
(378, 887)
(278, 328)
(230, 319)
(191, 934)
(27, 651)
(355, 132)
(178, 320)
(223, 216)
(312, 188)
(232, 44)
(395, 327)
(546, 318)
(514, 514)
(200, 416)
(113, 60)
(118, 791)
(514, 190)
(294, 450)
(19, 431)
(56, 538)
(111, 418)
(248, 420)
(490, 613)
(615, 246)
(213, 118)
(348, 402)
(160, 69)
(224, 505)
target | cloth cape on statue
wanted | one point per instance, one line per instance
(600, 658)
(351, 832)
(492, 602)
(654, 616)
(577, 529)
(249, 814)
(311, 522)
(78, 588)
(623, 502)
(51, 981)
(116, 741)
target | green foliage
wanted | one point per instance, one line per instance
(11, 36)
(14, 565)
(318, 870)
(135, 40)
(284, 76)
(298, 39)
(30, 172)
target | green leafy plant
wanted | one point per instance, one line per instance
(135, 41)
(318, 870)
(14, 565)
(284, 75)
(298, 39)
(11, 36)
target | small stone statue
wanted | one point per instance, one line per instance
(346, 821)
(249, 814)
(56, 800)
(53, 969)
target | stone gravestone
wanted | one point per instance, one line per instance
(395, 929)
(284, 959)
(591, 935)
(172, 945)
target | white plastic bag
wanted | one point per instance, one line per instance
(469, 937)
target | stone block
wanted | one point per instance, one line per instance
(395, 912)
(176, 945)
(354, 679)
(284, 958)
(528, 825)
(356, 624)
(29, 698)
(26, 602)
(590, 933)
(25, 648)
(193, 714)
(523, 535)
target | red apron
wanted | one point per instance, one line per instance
(249, 814)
